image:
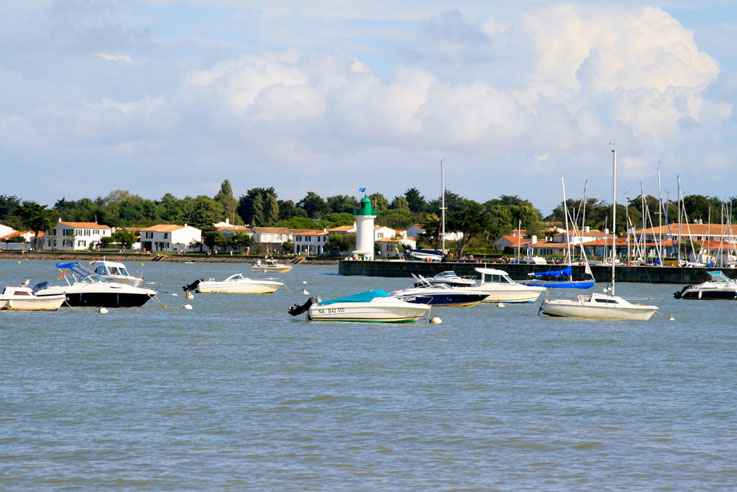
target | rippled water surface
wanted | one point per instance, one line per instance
(236, 394)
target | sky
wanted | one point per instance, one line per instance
(164, 96)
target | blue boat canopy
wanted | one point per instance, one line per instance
(362, 297)
(75, 267)
(566, 272)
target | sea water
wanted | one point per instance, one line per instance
(236, 394)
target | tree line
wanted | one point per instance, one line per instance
(480, 223)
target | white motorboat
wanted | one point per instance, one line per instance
(84, 288)
(374, 306)
(601, 306)
(114, 271)
(235, 284)
(270, 265)
(719, 286)
(598, 306)
(23, 298)
(499, 287)
(438, 294)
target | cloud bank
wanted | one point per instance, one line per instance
(511, 103)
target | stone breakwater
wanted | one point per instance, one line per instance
(644, 274)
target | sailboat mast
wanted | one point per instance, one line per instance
(442, 200)
(565, 212)
(614, 212)
(680, 218)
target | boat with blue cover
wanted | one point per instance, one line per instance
(375, 306)
(560, 279)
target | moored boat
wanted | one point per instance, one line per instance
(23, 298)
(439, 295)
(84, 288)
(235, 284)
(375, 306)
(114, 271)
(719, 286)
(270, 265)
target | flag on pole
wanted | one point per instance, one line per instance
(362, 190)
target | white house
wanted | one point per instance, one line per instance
(5, 230)
(384, 232)
(310, 242)
(170, 237)
(75, 236)
(270, 239)
(227, 229)
(10, 242)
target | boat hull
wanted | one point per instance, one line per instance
(368, 312)
(34, 303)
(284, 269)
(707, 294)
(238, 288)
(563, 284)
(442, 299)
(586, 309)
(104, 295)
(509, 295)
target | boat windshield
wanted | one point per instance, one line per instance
(719, 277)
(498, 279)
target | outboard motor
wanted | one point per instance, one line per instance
(192, 286)
(296, 310)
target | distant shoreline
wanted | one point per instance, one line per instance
(137, 257)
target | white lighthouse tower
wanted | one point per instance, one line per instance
(365, 215)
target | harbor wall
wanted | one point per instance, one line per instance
(645, 274)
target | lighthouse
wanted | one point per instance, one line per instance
(365, 215)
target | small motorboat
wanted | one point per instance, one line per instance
(270, 265)
(439, 294)
(719, 286)
(114, 271)
(375, 306)
(235, 284)
(84, 288)
(22, 298)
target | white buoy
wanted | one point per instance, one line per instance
(103, 310)
(174, 294)
(435, 320)
(671, 318)
(190, 295)
(304, 282)
(188, 306)
(499, 304)
(304, 292)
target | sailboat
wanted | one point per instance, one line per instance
(599, 305)
(564, 278)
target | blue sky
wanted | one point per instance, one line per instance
(175, 96)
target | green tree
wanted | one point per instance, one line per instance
(314, 205)
(36, 218)
(342, 243)
(257, 211)
(229, 203)
(271, 211)
(415, 200)
(400, 203)
(379, 201)
(298, 223)
(472, 220)
(339, 204)
(239, 241)
(124, 237)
